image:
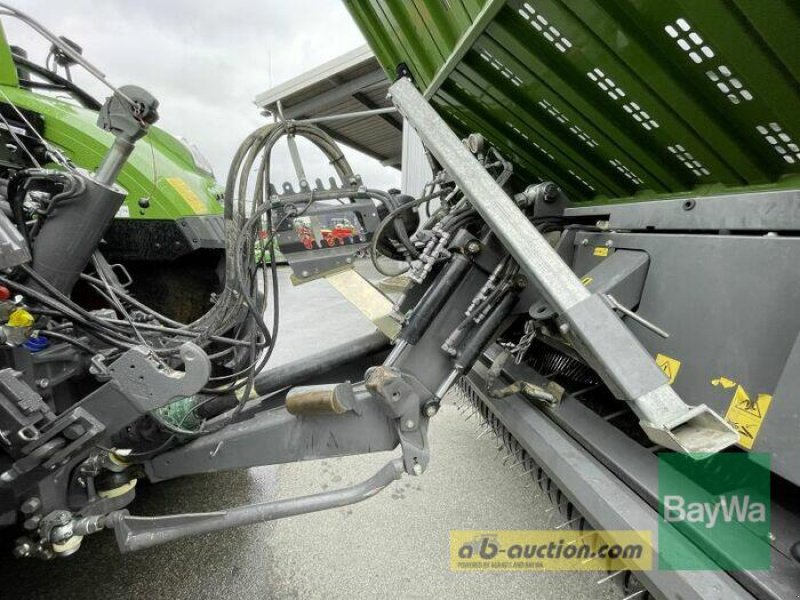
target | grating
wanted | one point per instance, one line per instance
(582, 180)
(540, 23)
(583, 136)
(537, 146)
(689, 41)
(605, 83)
(689, 161)
(699, 51)
(780, 141)
(504, 70)
(617, 164)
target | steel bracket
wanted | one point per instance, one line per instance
(402, 396)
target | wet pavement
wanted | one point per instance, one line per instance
(394, 545)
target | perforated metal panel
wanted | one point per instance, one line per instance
(612, 99)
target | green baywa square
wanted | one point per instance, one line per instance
(714, 511)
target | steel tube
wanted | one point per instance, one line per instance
(137, 533)
(352, 115)
(113, 162)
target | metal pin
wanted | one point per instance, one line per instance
(616, 414)
(635, 594)
(583, 391)
(607, 577)
(485, 431)
(509, 455)
(568, 522)
(641, 320)
(534, 481)
(580, 537)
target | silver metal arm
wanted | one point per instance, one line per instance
(586, 319)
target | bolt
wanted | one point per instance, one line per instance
(609, 243)
(30, 506)
(564, 328)
(304, 274)
(417, 469)
(21, 550)
(473, 247)
(43, 383)
(410, 424)
(771, 536)
(431, 410)
(32, 523)
(585, 242)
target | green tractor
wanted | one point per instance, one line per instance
(167, 239)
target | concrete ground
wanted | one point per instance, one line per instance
(394, 545)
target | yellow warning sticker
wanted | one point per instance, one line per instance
(747, 414)
(586, 280)
(723, 382)
(601, 251)
(669, 365)
(188, 195)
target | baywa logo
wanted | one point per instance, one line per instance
(728, 508)
(715, 511)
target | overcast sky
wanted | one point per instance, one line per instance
(205, 61)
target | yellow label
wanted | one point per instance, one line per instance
(188, 195)
(505, 550)
(601, 251)
(20, 318)
(747, 414)
(669, 365)
(586, 280)
(723, 382)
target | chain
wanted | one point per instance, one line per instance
(521, 348)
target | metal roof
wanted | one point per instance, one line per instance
(351, 83)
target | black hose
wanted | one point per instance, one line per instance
(309, 367)
(70, 340)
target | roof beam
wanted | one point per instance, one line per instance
(391, 119)
(349, 142)
(329, 98)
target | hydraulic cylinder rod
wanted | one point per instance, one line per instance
(430, 305)
(475, 344)
(589, 322)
